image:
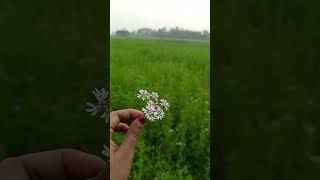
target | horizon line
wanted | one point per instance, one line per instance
(167, 27)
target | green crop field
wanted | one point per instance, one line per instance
(178, 146)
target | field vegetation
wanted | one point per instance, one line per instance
(176, 147)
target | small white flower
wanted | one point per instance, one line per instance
(179, 143)
(151, 103)
(170, 131)
(154, 95)
(164, 103)
(159, 114)
(143, 94)
(102, 106)
(105, 151)
(148, 114)
(153, 110)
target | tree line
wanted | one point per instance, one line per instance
(170, 33)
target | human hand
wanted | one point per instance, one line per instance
(121, 157)
(53, 165)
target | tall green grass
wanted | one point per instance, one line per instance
(179, 72)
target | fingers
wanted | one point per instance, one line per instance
(121, 127)
(63, 164)
(127, 147)
(124, 116)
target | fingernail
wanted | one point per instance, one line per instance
(140, 122)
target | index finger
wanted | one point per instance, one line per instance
(124, 116)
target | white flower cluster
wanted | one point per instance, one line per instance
(102, 106)
(153, 110)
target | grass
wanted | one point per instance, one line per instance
(179, 72)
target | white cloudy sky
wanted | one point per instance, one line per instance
(134, 14)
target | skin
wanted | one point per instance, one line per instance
(52, 165)
(131, 122)
(70, 164)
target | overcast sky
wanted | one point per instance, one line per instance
(134, 14)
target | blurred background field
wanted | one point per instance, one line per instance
(266, 89)
(52, 54)
(178, 146)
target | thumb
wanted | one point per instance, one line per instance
(128, 145)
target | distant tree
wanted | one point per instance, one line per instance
(144, 32)
(206, 34)
(123, 33)
(171, 33)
